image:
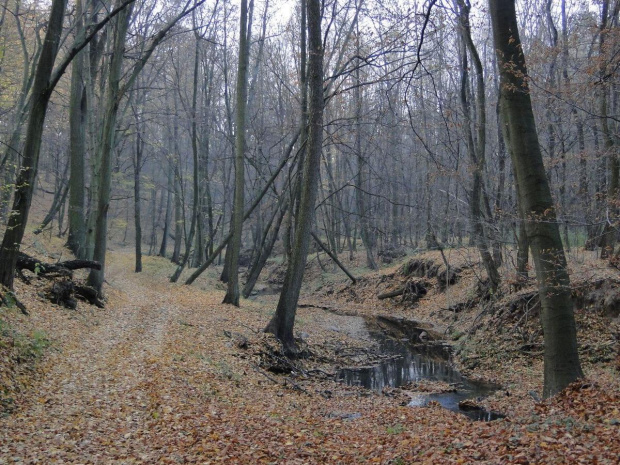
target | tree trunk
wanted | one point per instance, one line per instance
(59, 199)
(232, 293)
(136, 196)
(361, 196)
(284, 319)
(78, 113)
(334, 257)
(264, 251)
(24, 187)
(169, 190)
(476, 148)
(247, 214)
(155, 215)
(106, 147)
(178, 217)
(560, 356)
(192, 229)
(610, 232)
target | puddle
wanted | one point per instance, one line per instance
(412, 364)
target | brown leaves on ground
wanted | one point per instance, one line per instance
(167, 374)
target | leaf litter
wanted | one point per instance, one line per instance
(167, 374)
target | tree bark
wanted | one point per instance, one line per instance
(178, 204)
(195, 207)
(284, 319)
(264, 251)
(232, 293)
(561, 359)
(59, 199)
(247, 214)
(106, 147)
(26, 262)
(610, 232)
(136, 194)
(361, 196)
(476, 148)
(169, 190)
(334, 257)
(78, 113)
(24, 187)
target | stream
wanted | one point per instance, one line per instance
(411, 364)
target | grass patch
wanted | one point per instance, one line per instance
(19, 353)
(395, 429)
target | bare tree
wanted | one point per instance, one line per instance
(41, 91)
(284, 319)
(232, 293)
(561, 358)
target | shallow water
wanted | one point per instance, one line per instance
(412, 364)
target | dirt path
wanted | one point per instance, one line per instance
(156, 378)
(96, 384)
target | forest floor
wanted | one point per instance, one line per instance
(167, 374)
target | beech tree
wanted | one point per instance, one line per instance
(283, 320)
(561, 358)
(232, 293)
(24, 186)
(476, 144)
(78, 114)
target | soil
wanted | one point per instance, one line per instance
(167, 374)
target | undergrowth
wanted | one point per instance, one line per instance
(19, 353)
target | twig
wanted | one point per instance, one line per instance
(297, 386)
(258, 370)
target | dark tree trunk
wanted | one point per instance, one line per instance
(136, 198)
(334, 257)
(24, 187)
(247, 214)
(234, 246)
(59, 199)
(264, 250)
(169, 189)
(78, 113)
(106, 147)
(192, 229)
(610, 231)
(561, 359)
(178, 216)
(523, 248)
(361, 196)
(284, 319)
(476, 148)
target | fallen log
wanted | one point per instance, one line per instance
(89, 294)
(390, 294)
(66, 268)
(61, 293)
(333, 257)
(65, 292)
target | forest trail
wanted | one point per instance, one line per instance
(156, 377)
(97, 384)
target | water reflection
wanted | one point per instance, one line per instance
(409, 366)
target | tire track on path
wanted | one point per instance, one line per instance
(94, 402)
